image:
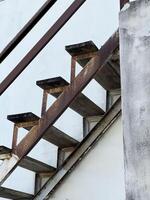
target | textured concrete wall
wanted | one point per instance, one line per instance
(135, 69)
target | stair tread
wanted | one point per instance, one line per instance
(14, 194)
(82, 104)
(52, 83)
(30, 163)
(23, 117)
(81, 48)
(108, 77)
(52, 135)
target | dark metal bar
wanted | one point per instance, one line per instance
(73, 69)
(26, 29)
(67, 97)
(40, 45)
(15, 137)
(122, 3)
(44, 102)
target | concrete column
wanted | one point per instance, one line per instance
(135, 72)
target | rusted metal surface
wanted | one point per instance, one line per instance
(64, 100)
(73, 70)
(26, 29)
(15, 137)
(80, 152)
(82, 104)
(67, 97)
(44, 102)
(52, 83)
(40, 45)
(82, 52)
(23, 117)
(56, 91)
(52, 135)
(27, 125)
(109, 76)
(24, 120)
(81, 58)
(122, 3)
(81, 48)
(85, 56)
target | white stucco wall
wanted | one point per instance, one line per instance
(96, 21)
(100, 175)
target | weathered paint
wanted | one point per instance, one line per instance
(135, 70)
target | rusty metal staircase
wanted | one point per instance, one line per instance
(81, 104)
(101, 64)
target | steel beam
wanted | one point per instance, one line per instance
(40, 45)
(73, 70)
(26, 29)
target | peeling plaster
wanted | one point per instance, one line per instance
(135, 73)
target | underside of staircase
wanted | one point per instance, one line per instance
(103, 65)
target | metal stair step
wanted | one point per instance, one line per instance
(82, 104)
(30, 163)
(82, 52)
(23, 117)
(13, 194)
(109, 76)
(52, 83)
(52, 135)
(25, 120)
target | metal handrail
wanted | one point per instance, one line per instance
(40, 45)
(42, 42)
(26, 29)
